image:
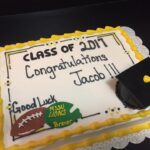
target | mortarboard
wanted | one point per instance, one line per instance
(133, 87)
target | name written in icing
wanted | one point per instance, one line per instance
(91, 78)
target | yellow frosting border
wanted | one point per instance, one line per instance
(105, 136)
(1, 123)
(80, 129)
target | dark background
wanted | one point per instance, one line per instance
(62, 16)
(42, 18)
(17, 6)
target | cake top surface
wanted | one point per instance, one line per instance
(64, 84)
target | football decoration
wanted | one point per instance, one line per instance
(59, 115)
(28, 122)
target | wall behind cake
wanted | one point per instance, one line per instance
(8, 7)
(42, 18)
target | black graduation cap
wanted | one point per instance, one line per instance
(133, 87)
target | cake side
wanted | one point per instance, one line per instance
(91, 126)
(1, 125)
(83, 144)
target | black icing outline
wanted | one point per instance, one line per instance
(8, 67)
(117, 41)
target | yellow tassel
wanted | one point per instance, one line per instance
(146, 79)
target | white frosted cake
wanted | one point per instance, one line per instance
(63, 86)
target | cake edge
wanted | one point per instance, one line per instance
(105, 136)
(80, 129)
(77, 33)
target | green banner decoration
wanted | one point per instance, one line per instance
(58, 115)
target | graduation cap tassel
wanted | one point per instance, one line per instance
(146, 79)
